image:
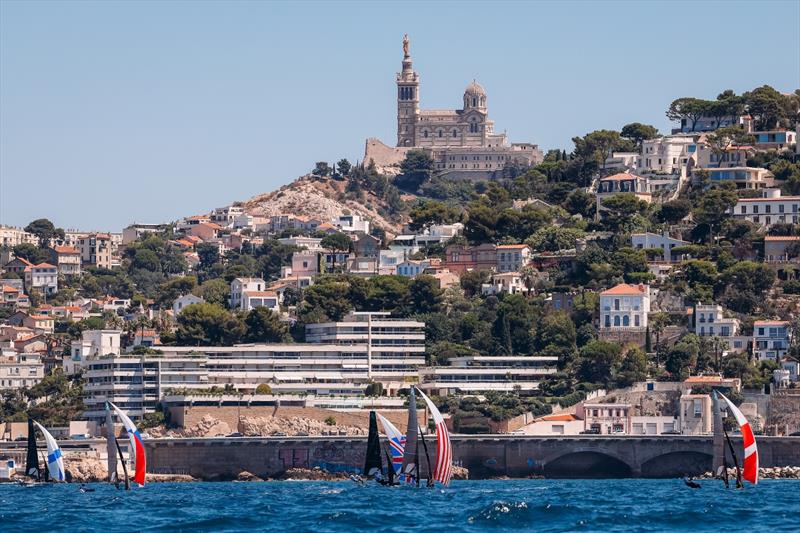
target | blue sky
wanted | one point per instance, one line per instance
(118, 112)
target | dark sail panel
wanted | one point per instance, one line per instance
(372, 465)
(32, 459)
(410, 452)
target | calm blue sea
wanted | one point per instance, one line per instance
(288, 506)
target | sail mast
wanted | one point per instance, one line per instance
(54, 462)
(124, 467)
(373, 463)
(427, 458)
(111, 447)
(32, 457)
(748, 442)
(410, 449)
(739, 483)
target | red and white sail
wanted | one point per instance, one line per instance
(137, 446)
(444, 449)
(750, 450)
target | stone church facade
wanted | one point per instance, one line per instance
(462, 142)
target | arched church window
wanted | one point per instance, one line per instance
(455, 133)
(474, 101)
(425, 134)
(441, 133)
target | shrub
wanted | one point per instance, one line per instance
(331, 421)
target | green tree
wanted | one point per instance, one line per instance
(712, 209)
(745, 285)
(638, 132)
(208, 254)
(424, 295)
(44, 230)
(265, 326)
(619, 211)
(206, 324)
(344, 167)
(430, 212)
(416, 169)
(689, 110)
(321, 169)
(674, 211)
(597, 361)
(556, 336)
(632, 369)
(214, 291)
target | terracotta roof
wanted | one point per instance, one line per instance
(9, 288)
(512, 246)
(703, 379)
(24, 261)
(625, 289)
(621, 176)
(559, 418)
(781, 238)
(770, 322)
(44, 265)
(325, 225)
(41, 317)
(260, 294)
(66, 250)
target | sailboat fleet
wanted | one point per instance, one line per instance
(53, 470)
(402, 451)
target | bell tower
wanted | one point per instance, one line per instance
(407, 100)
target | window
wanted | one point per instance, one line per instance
(616, 320)
(755, 209)
(636, 320)
(626, 321)
(441, 133)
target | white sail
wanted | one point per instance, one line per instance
(55, 462)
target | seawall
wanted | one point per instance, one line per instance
(484, 456)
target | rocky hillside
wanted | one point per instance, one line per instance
(322, 198)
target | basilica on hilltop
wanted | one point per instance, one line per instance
(462, 142)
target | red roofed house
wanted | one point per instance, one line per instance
(624, 309)
(42, 277)
(67, 259)
(9, 296)
(17, 265)
(205, 230)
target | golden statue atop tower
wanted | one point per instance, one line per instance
(405, 46)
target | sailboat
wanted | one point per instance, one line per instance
(136, 448)
(112, 450)
(444, 449)
(750, 470)
(55, 460)
(397, 444)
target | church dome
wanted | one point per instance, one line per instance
(474, 89)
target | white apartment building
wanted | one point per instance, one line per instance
(664, 242)
(42, 277)
(770, 209)
(241, 285)
(93, 343)
(506, 283)
(771, 339)
(732, 157)
(709, 321)
(138, 230)
(414, 267)
(311, 244)
(253, 299)
(224, 216)
(438, 234)
(512, 257)
(625, 306)
(20, 370)
(666, 155)
(96, 249)
(137, 382)
(352, 223)
(11, 236)
(67, 259)
(480, 374)
(742, 177)
(385, 338)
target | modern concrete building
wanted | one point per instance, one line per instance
(742, 177)
(781, 248)
(241, 285)
(771, 339)
(666, 155)
(695, 414)
(384, 338)
(93, 343)
(479, 374)
(771, 208)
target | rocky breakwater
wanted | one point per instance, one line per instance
(209, 426)
(776, 472)
(88, 469)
